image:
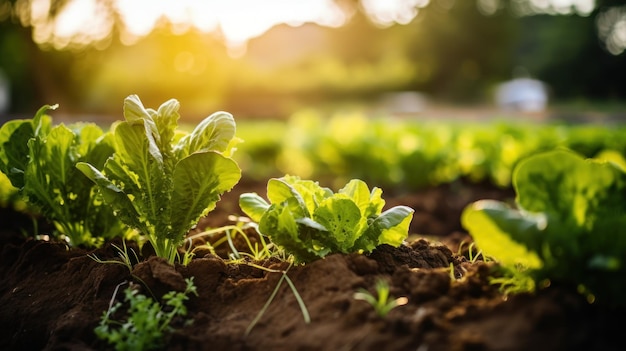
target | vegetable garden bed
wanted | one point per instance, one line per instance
(336, 275)
(53, 298)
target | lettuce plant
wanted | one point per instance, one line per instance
(39, 159)
(160, 181)
(310, 221)
(569, 225)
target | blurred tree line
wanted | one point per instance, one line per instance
(452, 50)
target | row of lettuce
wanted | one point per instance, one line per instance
(409, 154)
(148, 178)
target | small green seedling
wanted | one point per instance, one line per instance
(147, 322)
(382, 304)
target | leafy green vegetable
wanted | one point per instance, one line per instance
(39, 159)
(147, 322)
(569, 227)
(310, 221)
(161, 183)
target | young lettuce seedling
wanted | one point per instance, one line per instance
(161, 183)
(569, 225)
(39, 159)
(383, 303)
(310, 221)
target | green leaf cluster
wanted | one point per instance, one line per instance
(39, 159)
(161, 180)
(310, 221)
(410, 153)
(569, 225)
(146, 323)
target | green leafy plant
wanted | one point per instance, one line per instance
(569, 226)
(146, 323)
(310, 222)
(383, 303)
(39, 159)
(160, 180)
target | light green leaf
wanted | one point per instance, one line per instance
(214, 133)
(394, 233)
(253, 205)
(358, 191)
(278, 191)
(391, 227)
(114, 197)
(342, 218)
(565, 185)
(199, 180)
(279, 223)
(325, 222)
(492, 225)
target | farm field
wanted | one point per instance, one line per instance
(341, 231)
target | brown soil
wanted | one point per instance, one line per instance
(52, 297)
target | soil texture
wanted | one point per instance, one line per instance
(52, 297)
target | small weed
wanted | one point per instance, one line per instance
(258, 251)
(147, 322)
(284, 277)
(381, 303)
(123, 253)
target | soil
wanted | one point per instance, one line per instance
(52, 297)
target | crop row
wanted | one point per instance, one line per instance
(409, 154)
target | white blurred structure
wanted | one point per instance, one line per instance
(5, 93)
(522, 94)
(404, 102)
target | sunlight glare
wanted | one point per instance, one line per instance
(612, 29)
(81, 22)
(388, 12)
(563, 7)
(237, 21)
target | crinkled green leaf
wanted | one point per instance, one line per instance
(308, 193)
(114, 197)
(253, 205)
(342, 218)
(199, 180)
(369, 202)
(390, 228)
(143, 173)
(322, 222)
(279, 222)
(214, 133)
(14, 137)
(279, 191)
